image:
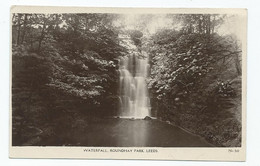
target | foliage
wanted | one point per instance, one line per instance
(224, 89)
(62, 63)
(135, 36)
(200, 23)
(186, 69)
(79, 48)
(185, 62)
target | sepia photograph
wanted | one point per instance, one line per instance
(134, 82)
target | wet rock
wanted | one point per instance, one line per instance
(168, 122)
(147, 118)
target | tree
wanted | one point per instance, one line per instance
(200, 23)
(195, 77)
(63, 65)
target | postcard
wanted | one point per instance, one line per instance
(128, 83)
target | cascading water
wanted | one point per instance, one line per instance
(134, 99)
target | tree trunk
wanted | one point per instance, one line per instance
(204, 24)
(213, 25)
(57, 22)
(238, 65)
(86, 24)
(208, 25)
(18, 29)
(200, 26)
(24, 27)
(42, 36)
(190, 28)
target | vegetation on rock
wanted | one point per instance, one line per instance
(192, 79)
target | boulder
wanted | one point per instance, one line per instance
(147, 118)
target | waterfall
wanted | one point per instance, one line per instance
(134, 98)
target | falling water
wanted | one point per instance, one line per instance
(134, 99)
